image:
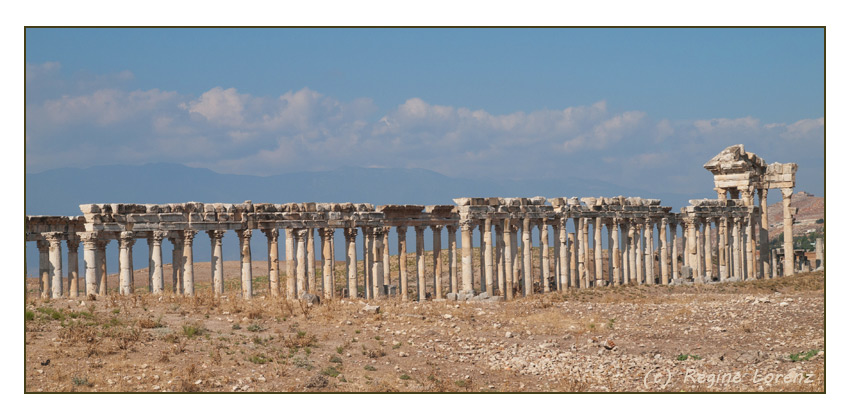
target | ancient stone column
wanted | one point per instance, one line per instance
(517, 255)
(401, 232)
(630, 245)
(73, 243)
(662, 234)
(774, 263)
(420, 261)
(597, 250)
(124, 280)
(507, 255)
(787, 231)
(527, 270)
(691, 244)
(176, 239)
(764, 241)
(574, 276)
(351, 260)
(624, 251)
(386, 259)
(639, 258)
(102, 274)
(736, 255)
(563, 255)
(466, 227)
(481, 266)
(157, 281)
(581, 237)
(272, 236)
(150, 262)
(648, 260)
(310, 248)
(674, 259)
(437, 257)
(301, 286)
(487, 245)
(290, 263)
(745, 266)
(44, 273)
(722, 265)
(328, 261)
(245, 259)
(709, 272)
(588, 255)
(452, 230)
(750, 242)
(556, 254)
(54, 284)
(132, 270)
(544, 250)
(700, 247)
(611, 246)
(378, 262)
(367, 262)
(500, 256)
(188, 263)
(90, 258)
(818, 253)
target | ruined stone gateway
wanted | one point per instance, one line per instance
(643, 238)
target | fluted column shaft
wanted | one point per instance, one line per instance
(544, 250)
(420, 262)
(452, 241)
(437, 258)
(291, 277)
(662, 235)
(327, 262)
(124, 274)
(466, 227)
(245, 260)
(401, 231)
(351, 260)
(73, 244)
(188, 263)
(54, 240)
(563, 255)
(90, 258)
(157, 281)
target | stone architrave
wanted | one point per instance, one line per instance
(401, 232)
(245, 259)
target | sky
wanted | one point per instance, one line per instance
(635, 107)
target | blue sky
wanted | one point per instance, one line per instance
(632, 105)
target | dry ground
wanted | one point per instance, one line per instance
(717, 338)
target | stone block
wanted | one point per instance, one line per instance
(687, 272)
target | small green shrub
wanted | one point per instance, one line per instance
(370, 368)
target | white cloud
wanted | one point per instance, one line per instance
(219, 106)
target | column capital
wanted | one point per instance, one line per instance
(42, 245)
(467, 224)
(246, 233)
(271, 234)
(215, 235)
(189, 235)
(53, 238)
(88, 237)
(421, 229)
(401, 230)
(327, 233)
(350, 233)
(437, 228)
(787, 192)
(451, 228)
(73, 242)
(159, 235)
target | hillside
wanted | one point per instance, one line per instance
(810, 210)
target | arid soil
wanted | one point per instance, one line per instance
(765, 335)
